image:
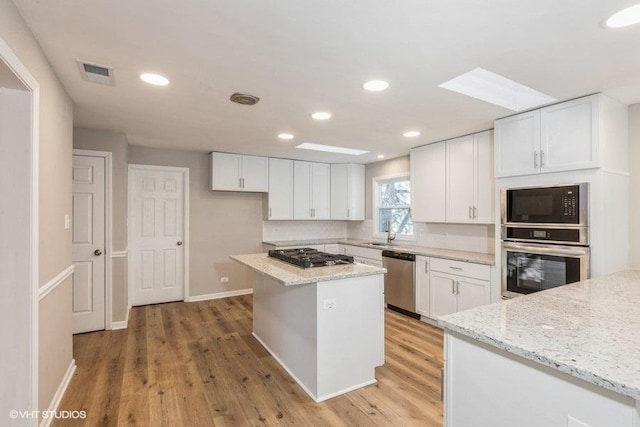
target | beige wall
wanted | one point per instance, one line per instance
(634, 186)
(55, 130)
(115, 143)
(221, 223)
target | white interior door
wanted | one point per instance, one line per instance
(156, 237)
(88, 243)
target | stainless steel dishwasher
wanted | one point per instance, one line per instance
(399, 282)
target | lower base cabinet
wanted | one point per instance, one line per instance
(423, 284)
(456, 286)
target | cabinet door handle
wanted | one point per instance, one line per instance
(541, 158)
(535, 159)
(269, 212)
(348, 213)
(240, 182)
(475, 212)
(457, 287)
(469, 212)
(426, 267)
(453, 287)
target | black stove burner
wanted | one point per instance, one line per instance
(307, 257)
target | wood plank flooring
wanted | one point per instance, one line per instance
(197, 364)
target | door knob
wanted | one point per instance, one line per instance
(97, 252)
(179, 243)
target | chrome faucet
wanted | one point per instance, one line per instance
(390, 236)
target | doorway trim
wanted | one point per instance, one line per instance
(32, 278)
(186, 237)
(108, 227)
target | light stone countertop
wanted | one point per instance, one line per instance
(290, 275)
(475, 257)
(589, 329)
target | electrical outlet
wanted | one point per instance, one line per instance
(329, 304)
(224, 279)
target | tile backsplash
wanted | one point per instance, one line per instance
(461, 237)
(294, 230)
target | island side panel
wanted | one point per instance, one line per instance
(351, 334)
(284, 321)
(490, 387)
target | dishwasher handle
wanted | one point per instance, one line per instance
(399, 255)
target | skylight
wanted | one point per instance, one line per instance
(495, 89)
(331, 149)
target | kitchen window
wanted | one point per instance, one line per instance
(392, 206)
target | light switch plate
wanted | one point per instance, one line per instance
(67, 221)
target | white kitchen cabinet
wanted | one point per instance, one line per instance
(557, 138)
(428, 178)
(347, 192)
(469, 183)
(237, 172)
(457, 286)
(280, 189)
(311, 190)
(422, 286)
(363, 255)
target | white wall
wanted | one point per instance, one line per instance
(634, 186)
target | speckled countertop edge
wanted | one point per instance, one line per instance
(290, 275)
(589, 330)
(474, 257)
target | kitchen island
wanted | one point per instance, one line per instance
(324, 325)
(568, 356)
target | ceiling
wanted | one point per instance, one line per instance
(305, 56)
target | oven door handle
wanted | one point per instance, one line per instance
(556, 250)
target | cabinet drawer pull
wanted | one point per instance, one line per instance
(455, 268)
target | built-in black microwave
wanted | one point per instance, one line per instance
(560, 204)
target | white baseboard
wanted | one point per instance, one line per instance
(122, 324)
(219, 295)
(57, 397)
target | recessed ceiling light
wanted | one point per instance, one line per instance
(331, 149)
(154, 79)
(321, 115)
(411, 133)
(624, 18)
(285, 136)
(495, 89)
(380, 156)
(375, 85)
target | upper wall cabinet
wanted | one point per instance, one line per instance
(566, 136)
(311, 190)
(428, 176)
(280, 189)
(347, 192)
(469, 180)
(236, 172)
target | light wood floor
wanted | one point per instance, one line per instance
(197, 364)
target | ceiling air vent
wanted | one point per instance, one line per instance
(95, 73)
(244, 99)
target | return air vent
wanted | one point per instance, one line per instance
(95, 73)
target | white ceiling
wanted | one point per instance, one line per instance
(304, 56)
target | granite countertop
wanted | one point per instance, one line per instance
(475, 257)
(589, 329)
(289, 275)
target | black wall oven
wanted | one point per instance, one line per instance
(545, 238)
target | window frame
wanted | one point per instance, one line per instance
(375, 205)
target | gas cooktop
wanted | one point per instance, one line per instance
(307, 257)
